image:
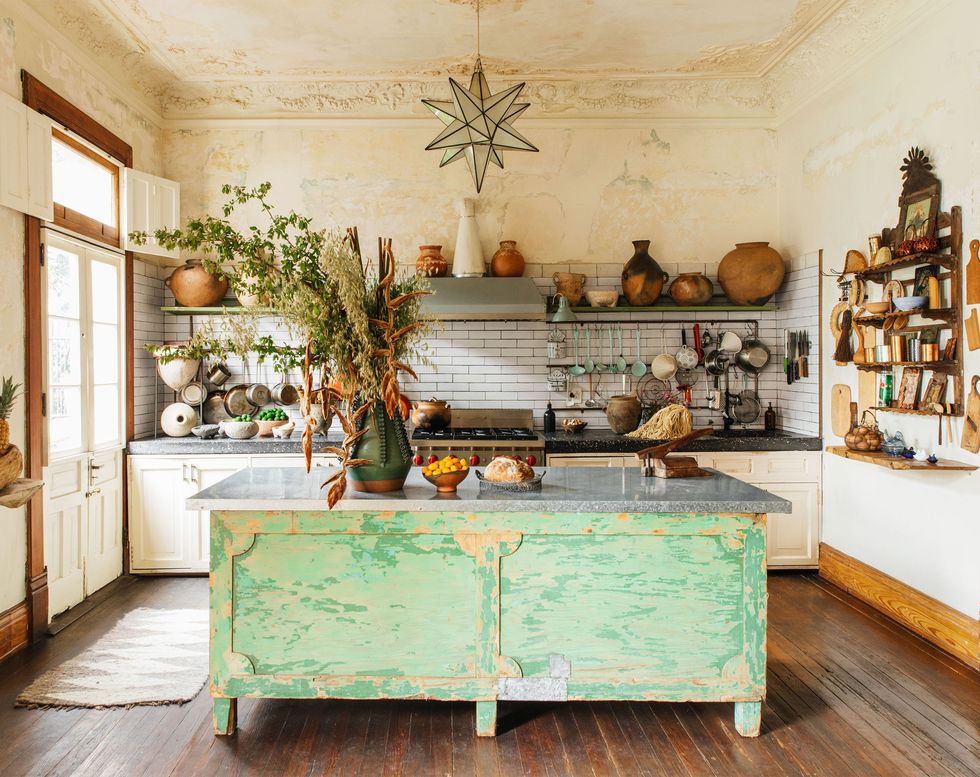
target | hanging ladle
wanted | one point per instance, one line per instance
(589, 364)
(621, 361)
(576, 369)
(639, 368)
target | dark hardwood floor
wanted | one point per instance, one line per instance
(850, 693)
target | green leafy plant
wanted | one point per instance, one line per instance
(361, 327)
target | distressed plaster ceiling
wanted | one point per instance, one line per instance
(235, 58)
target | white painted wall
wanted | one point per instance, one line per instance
(26, 43)
(838, 183)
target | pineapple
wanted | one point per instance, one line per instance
(8, 395)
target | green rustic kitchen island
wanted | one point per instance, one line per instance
(604, 585)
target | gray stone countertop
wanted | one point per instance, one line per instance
(192, 446)
(606, 441)
(564, 490)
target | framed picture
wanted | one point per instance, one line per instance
(922, 276)
(935, 391)
(908, 391)
(917, 215)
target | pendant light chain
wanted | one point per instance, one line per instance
(479, 64)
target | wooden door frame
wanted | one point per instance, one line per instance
(44, 100)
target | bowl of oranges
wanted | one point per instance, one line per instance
(446, 474)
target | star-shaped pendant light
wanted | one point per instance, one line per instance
(478, 123)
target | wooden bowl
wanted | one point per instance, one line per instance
(266, 427)
(876, 308)
(574, 425)
(447, 482)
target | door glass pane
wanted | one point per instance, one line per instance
(64, 418)
(82, 184)
(64, 352)
(63, 288)
(105, 426)
(105, 354)
(105, 294)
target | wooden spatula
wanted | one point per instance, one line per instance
(970, 440)
(840, 409)
(973, 274)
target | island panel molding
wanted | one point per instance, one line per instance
(948, 629)
(465, 599)
(14, 624)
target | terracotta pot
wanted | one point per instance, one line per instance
(569, 285)
(386, 445)
(507, 262)
(691, 288)
(431, 263)
(623, 413)
(195, 287)
(434, 415)
(751, 273)
(643, 278)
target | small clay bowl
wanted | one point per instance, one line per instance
(877, 308)
(574, 425)
(240, 430)
(266, 427)
(599, 298)
(447, 482)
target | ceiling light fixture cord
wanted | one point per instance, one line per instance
(478, 32)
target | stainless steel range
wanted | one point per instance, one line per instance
(478, 435)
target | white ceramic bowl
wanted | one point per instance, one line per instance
(240, 430)
(599, 298)
(909, 303)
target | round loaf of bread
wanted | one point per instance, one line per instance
(504, 469)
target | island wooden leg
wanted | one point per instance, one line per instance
(486, 718)
(225, 714)
(748, 718)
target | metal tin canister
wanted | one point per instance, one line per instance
(885, 389)
(898, 348)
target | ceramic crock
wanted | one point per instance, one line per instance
(691, 288)
(195, 287)
(431, 263)
(432, 415)
(751, 273)
(507, 262)
(643, 279)
(386, 446)
(569, 285)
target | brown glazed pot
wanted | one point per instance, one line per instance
(431, 263)
(432, 415)
(751, 273)
(195, 287)
(623, 413)
(643, 278)
(691, 288)
(507, 262)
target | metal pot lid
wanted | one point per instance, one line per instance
(237, 402)
(193, 393)
(214, 409)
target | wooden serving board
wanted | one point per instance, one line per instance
(973, 274)
(840, 409)
(972, 331)
(897, 462)
(970, 440)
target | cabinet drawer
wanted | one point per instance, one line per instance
(766, 466)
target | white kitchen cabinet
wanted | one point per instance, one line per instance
(793, 539)
(152, 203)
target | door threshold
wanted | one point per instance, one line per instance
(63, 620)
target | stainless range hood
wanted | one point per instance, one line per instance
(484, 299)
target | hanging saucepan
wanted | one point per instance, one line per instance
(753, 356)
(258, 394)
(664, 365)
(237, 402)
(214, 408)
(285, 393)
(716, 362)
(218, 374)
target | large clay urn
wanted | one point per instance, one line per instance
(691, 288)
(195, 287)
(643, 278)
(507, 262)
(623, 413)
(751, 273)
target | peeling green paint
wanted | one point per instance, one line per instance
(442, 605)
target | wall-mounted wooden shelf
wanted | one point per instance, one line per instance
(20, 492)
(878, 272)
(215, 310)
(878, 320)
(889, 409)
(939, 365)
(898, 463)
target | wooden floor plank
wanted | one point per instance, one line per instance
(849, 692)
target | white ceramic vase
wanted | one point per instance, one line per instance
(468, 257)
(178, 419)
(179, 372)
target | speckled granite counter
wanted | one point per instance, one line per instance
(192, 446)
(565, 490)
(605, 441)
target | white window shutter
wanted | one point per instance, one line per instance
(14, 188)
(40, 197)
(151, 203)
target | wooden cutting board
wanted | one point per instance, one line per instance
(970, 441)
(867, 390)
(972, 331)
(973, 274)
(840, 412)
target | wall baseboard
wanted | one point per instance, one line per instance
(946, 628)
(13, 629)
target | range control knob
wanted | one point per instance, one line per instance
(474, 460)
(531, 461)
(417, 459)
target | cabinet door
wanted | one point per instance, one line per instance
(157, 519)
(14, 190)
(792, 540)
(151, 203)
(103, 563)
(205, 472)
(40, 200)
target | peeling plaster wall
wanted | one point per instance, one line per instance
(693, 190)
(23, 45)
(839, 182)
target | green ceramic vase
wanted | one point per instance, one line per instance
(386, 445)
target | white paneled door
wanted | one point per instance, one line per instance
(84, 409)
